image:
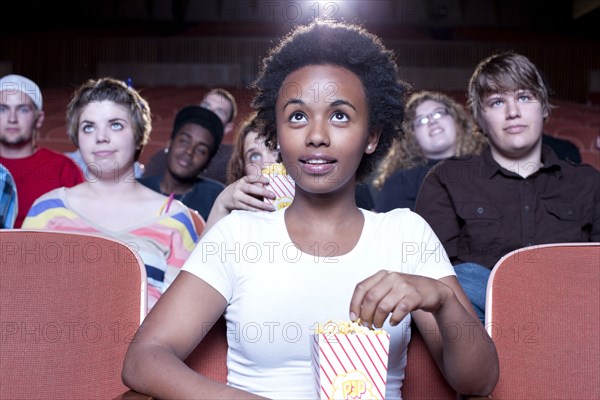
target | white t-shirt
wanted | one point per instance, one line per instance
(276, 294)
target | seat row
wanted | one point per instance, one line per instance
(71, 304)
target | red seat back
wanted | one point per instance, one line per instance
(543, 313)
(69, 305)
(422, 377)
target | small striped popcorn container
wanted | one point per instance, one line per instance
(281, 184)
(349, 362)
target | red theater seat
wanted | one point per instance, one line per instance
(543, 313)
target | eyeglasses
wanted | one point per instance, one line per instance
(434, 116)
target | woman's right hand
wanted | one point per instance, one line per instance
(394, 294)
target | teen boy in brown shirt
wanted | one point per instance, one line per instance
(517, 193)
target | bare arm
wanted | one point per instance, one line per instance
(458, 342)
(177, 323)
(243, 194)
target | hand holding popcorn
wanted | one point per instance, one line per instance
(281, 184)
(398, 294)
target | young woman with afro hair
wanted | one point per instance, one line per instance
(330, 102)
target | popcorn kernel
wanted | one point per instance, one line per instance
(339, 327)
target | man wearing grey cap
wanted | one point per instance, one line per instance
(197, 134)
(35, 170)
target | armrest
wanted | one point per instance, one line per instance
(131, 395)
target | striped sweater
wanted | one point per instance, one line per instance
(163, 242)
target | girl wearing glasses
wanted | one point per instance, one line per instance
(436, 127)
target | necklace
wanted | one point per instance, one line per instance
(181, 196)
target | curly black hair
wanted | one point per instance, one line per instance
(344, 45)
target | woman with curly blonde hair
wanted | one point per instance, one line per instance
(436, 127)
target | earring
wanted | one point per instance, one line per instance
(369, 147)
(278, 148)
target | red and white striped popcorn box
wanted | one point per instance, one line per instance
(350, 366)
(281, 184)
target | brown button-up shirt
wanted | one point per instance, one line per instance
(481, 211)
